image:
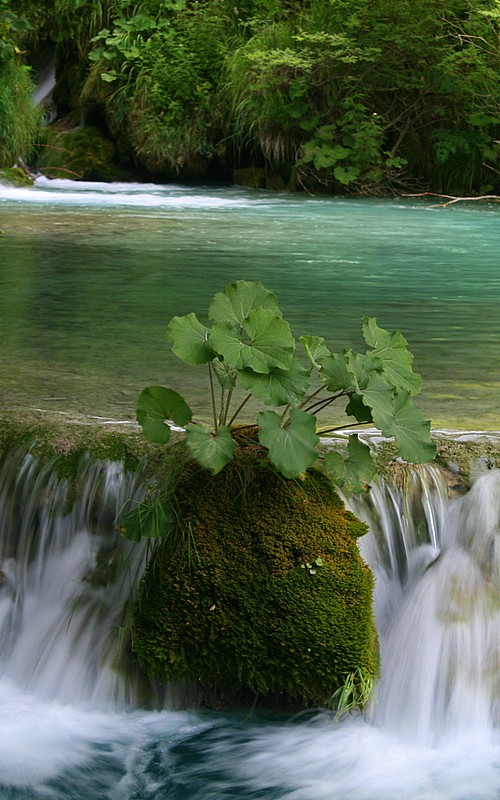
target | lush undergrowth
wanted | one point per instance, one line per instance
(348, 96)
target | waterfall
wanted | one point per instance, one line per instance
(72, 724)
(65, 578)
(437, 568)
(45, 81)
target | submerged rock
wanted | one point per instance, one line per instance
(262, 595)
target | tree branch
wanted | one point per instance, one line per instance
(450, 199)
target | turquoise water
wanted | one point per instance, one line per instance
(90, 274)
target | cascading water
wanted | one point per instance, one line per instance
(65, 580)
(71, 725)
(440, 625)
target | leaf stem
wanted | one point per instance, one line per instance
(342, 427)
(228, 403)
(222, 406)
(212, 393)
(310, 397)
(243, 403)
(285, 412)
(319, 405)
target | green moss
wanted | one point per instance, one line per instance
(66, 443)
(15, 176)
(244, 615)
(84, 154)
(469, 457)
(258, 178)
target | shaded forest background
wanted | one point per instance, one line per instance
(364, 96)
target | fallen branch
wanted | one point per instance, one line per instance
(450, 199)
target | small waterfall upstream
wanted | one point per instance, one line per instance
(73, 722)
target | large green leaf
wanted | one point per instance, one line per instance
(263, 341)
(226, 375)
(410, 429)
(155, 406)
(362, 367)
(234, 304)
(354, 473)
(349, 371)
(397, 361)
(316, 349)
(357, 409)
(277, 387)
(378, 395)
(292, 447)
(150, 521)
(189, 339)
(335, 373)
(211, 450)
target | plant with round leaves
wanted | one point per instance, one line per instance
(250, 346)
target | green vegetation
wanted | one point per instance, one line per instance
(65, 444)
(256, 589)
(19, 119)
(348, 96)
(251, 346)
(374, 96)
(85, 154)
(356, 694)
(15, 176)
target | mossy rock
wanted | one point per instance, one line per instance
(232, 607)
(258, 178)
(83, 154)
(15, 176)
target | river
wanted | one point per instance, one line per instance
(91, 273)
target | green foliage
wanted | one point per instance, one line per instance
(356, 694)
(355, 473)
(19, 119)
(157, 404)
(252, 618)
(155, 70)
(250, 344)
(291, 448)
(362, 95)
(211, 450)
(347, 95)
(85, 154)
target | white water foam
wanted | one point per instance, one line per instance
(47, 192)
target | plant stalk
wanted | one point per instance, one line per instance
(212, 393)
(342, 427)
(241, 405)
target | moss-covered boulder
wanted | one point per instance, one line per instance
(258, 178)
(83, 154)
(263, 596)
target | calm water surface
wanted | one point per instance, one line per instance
(91, 273)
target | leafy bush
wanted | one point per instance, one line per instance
(156, 75)
(251, 346)
(355, 95)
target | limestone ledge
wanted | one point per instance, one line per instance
(464, 455)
